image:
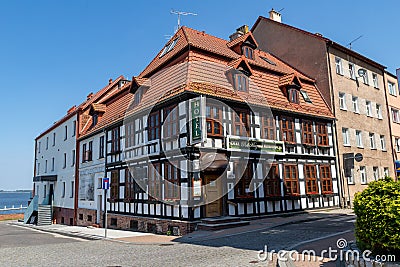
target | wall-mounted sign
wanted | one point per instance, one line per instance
(196, 188)
(255, 145)
(196, 118)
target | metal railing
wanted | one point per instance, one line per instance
(31, 208)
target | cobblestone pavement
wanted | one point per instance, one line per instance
(223, 248)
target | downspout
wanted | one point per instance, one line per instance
(335, 142)
(394, 154)
(77, 153)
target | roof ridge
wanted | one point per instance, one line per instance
(204, 32)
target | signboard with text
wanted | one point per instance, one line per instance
(197, 122)
(255, 145)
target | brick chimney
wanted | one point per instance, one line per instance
(239, 32)
(274, 15)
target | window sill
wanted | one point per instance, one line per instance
(357, 112)
(344, 109)
(360, 147)
(346, 145)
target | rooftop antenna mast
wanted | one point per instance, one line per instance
(351, 43)
(181, 13)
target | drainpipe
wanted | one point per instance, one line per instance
(335, 143)
(77, 153)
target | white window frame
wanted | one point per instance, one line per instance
(375, 80)
(386, 171)
(368, 108)
(383, 142)
(354, 101)
(352, 71)
(379, 111)
(375, 171)
(372, 143)
(397, 143)
(392, 88)
(338, 65)
(350, 179)
(365, 78)
(359, 139)
(395, 115)
(346, 137)
(363, 175)
(342, 101)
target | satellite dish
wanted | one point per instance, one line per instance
(362, 72)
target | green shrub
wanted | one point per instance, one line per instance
(378, 217)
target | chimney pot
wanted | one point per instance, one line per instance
(110, 81)
(274, 15)
(89, 96)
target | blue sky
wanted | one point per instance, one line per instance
(53, 53)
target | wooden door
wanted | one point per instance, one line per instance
(213, 193)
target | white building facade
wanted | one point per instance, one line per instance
(55, 160)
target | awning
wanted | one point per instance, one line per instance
(45, 178)
(210, 161)
(397, 165)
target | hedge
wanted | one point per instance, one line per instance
(378, 217)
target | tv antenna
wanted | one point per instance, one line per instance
(181, 13)
(351, 43)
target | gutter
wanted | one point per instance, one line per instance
(77, 153)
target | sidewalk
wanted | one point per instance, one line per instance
(266, 222)
(269, 222)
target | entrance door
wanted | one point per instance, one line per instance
(213, 192)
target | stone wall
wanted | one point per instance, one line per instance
(63, 216)
(150, 225)
(86, 217)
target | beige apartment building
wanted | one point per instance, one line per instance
(393, 100)
(353, 86)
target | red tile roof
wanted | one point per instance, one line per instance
(242, 39)
(268, 73)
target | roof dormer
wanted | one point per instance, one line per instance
(290, 85)
(243, 42)
(96, 111)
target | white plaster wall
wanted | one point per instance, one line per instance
(57, 151)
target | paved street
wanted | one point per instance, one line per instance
(25, 247)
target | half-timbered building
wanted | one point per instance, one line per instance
(216, 128)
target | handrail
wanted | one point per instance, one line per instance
(31, 208)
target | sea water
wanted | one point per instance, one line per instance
(17, 199)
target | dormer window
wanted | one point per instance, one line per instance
(95, 118)
(168, 47)
(293, 95)
(241, 82)
(96, 111)
(139, 94)
(248, 52)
